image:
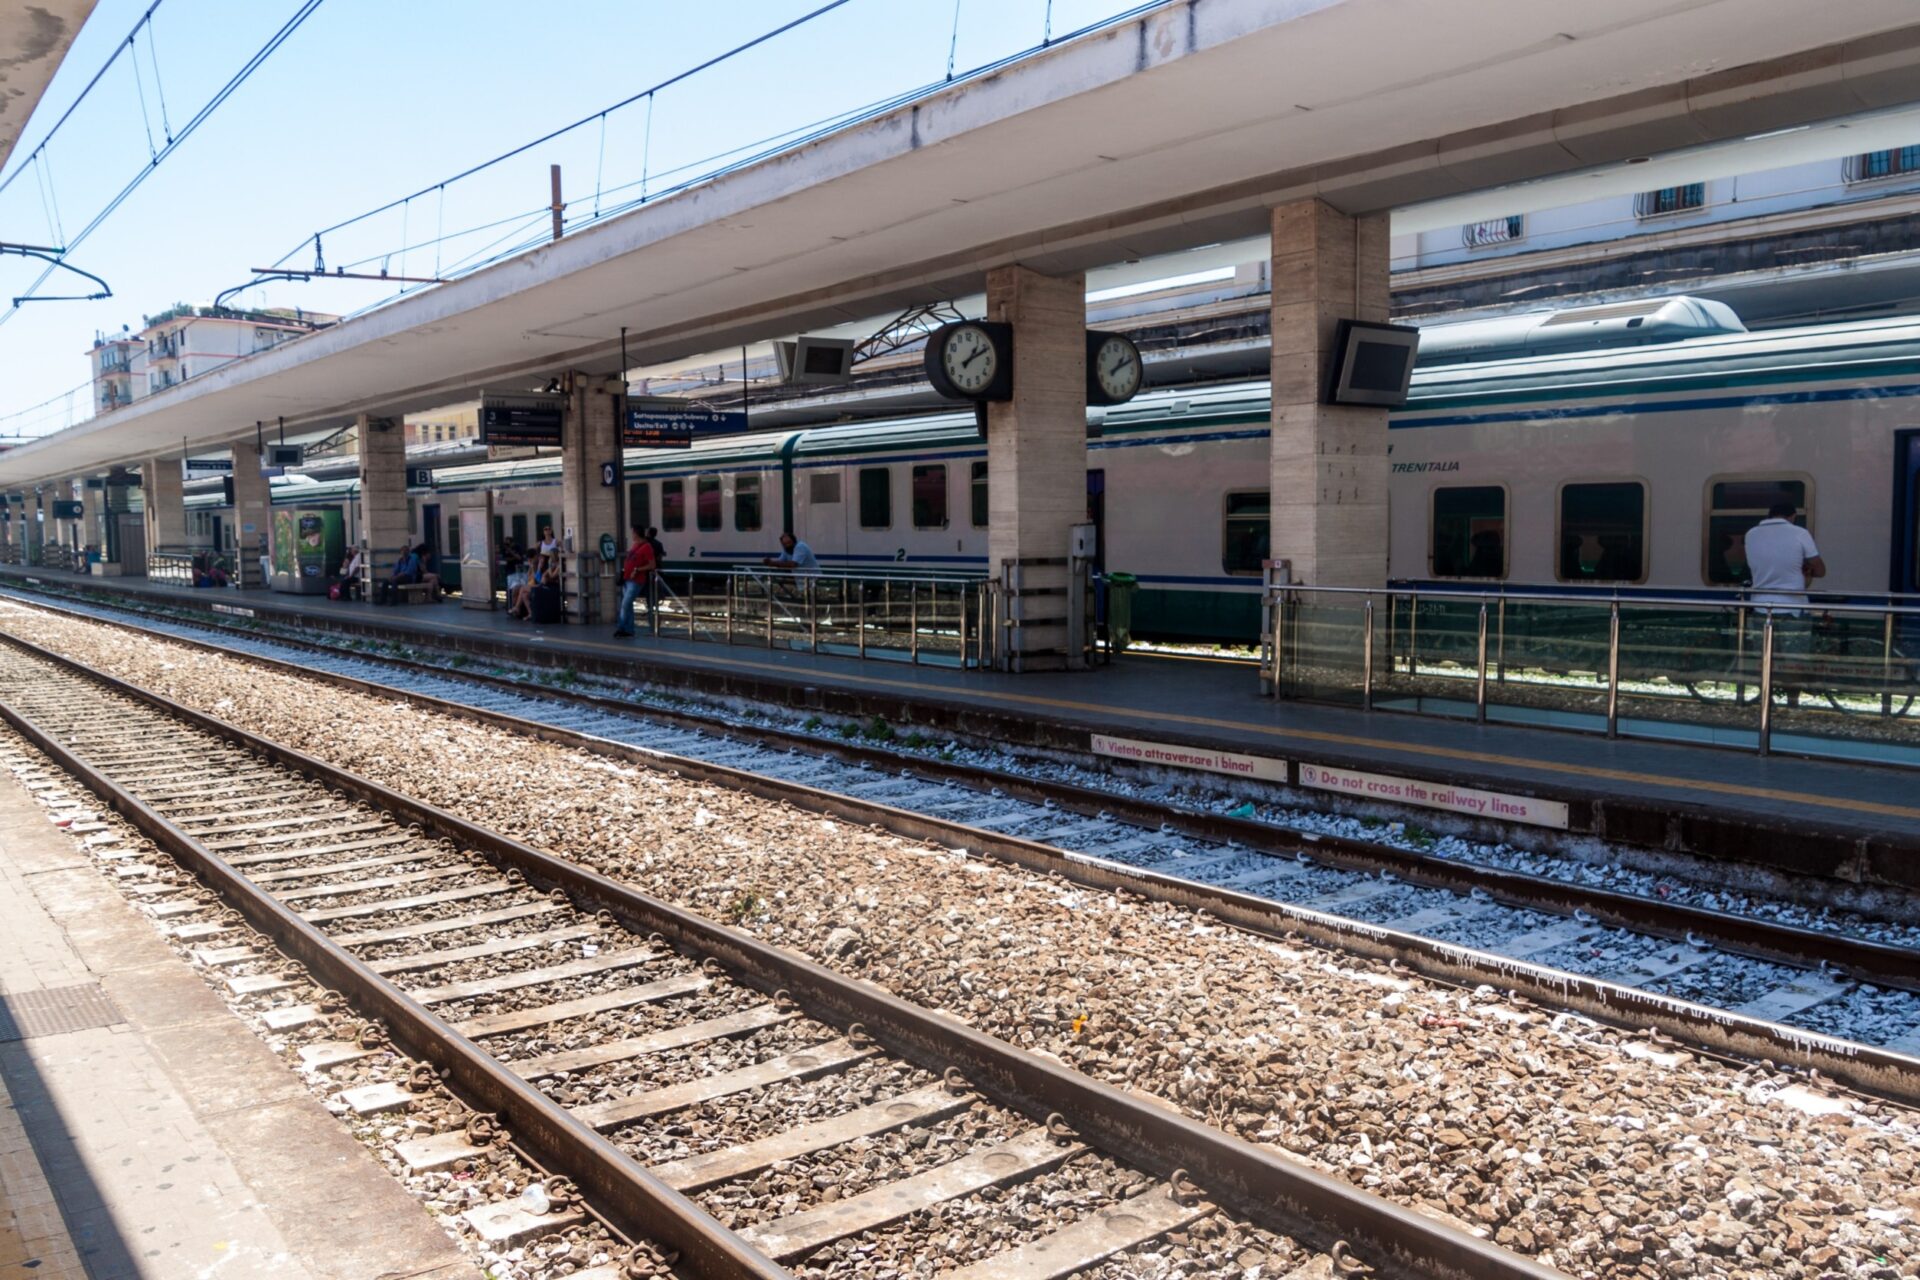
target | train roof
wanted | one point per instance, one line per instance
(1859, 348)
(1852, 348)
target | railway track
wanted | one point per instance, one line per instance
(703, 1092)
(1721, 982)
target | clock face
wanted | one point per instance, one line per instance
(970, 360)
(1116, 365)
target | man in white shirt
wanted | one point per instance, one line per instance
(1782, 558)
(795, 556)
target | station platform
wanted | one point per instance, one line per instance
(144, 1130)
(1845, 821)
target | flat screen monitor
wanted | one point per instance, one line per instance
(1372, 363)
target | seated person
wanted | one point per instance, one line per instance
(351, 570)
(520, 599)
(424, 554)
(406, 572)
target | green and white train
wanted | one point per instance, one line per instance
(1625, 451)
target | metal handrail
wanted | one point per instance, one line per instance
(909, 618)
(1726, 598)
(1716, 656)
(753, 568)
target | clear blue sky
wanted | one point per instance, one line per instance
(373, 99)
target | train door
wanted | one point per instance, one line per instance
(430, 530)
(1906, 511)
(1097, 514)
(219, 534)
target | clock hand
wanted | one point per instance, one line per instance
(975, 356)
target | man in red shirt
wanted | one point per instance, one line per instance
(635, 573)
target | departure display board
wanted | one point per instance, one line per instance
(661, 422)
(525, 420)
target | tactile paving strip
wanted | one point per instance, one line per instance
(26, 1015)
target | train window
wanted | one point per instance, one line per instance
(876, 498)
(930, 496)
(1603, 532)
(542, 523)
(706, 503)
(1469, 532)
(1734, 505)
(640, 504)
(979, 485)
(520, 532)
(673, 505)
(453, 539)
(1246, 540)
(823, 487)
(746, 503)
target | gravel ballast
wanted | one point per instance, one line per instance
(1597, 1151)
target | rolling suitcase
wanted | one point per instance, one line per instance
(545, 603)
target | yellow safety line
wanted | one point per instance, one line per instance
(1313, 735)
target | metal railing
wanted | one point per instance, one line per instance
(1834, 677)
(924, 620)
(175, 565)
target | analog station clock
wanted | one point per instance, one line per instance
(1114, 372)
(971, 360)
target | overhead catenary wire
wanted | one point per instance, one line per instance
(953, 43)
(704, 170)
(141, 89)
(213, 104)
(106, 66)
(524, 147)
(159, 89)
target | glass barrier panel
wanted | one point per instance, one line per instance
(1547, 662)
(1847, 683)
(1324, 635)
(1690, 672)
(1432, 653)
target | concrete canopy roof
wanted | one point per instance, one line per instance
(1180, 128)
(34, 38)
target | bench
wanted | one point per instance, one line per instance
(416, 592)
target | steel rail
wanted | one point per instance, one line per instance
(1881, 964)
(633, 1200)
(1879, 1072)
(1277, 1192)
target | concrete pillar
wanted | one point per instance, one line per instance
(1037, 455)
(383, 492)
(93, 525)
(166, 505)
(588, 508)
(252, 515)
(42, 523)
(1328, 462)
(60, 530)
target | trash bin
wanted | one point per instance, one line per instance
(1120, 589)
